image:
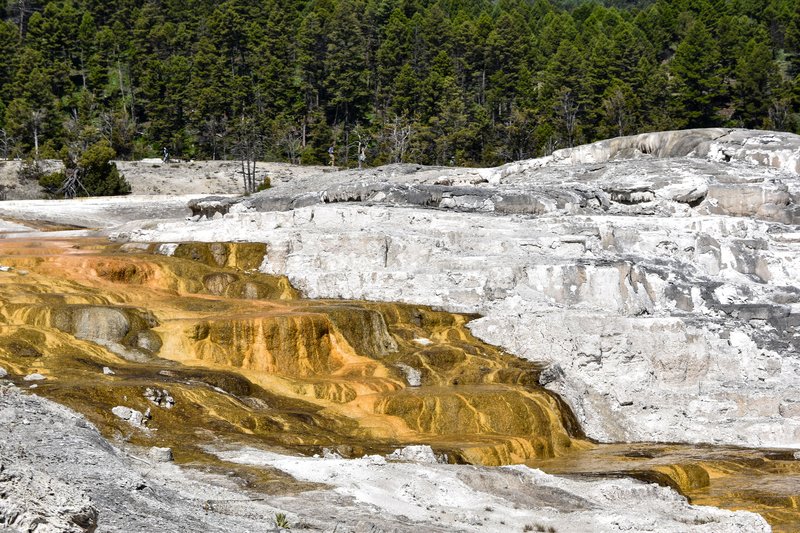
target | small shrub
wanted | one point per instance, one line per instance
(51, 183)
(4, 190)
(100, 176)
(264, 185)
(536, 527)
(282, 521)
(30, 170)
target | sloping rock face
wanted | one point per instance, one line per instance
(656, 275)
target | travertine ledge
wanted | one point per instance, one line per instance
(656, 277)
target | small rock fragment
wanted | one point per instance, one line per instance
(161, 455)
(330, 454)
(3, 372)
(131, 416)
(550, 374)
(789, 409)
(413, 376)
(161, 398)
(107, 371)
(415, 454)
(34, 377)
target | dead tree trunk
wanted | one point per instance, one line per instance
(247, 149)
(72, 183)
(36, 124)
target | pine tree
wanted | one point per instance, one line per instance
(473, 82)
(345, 79)
(698, 84)
(757, 79)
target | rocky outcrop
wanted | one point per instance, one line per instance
(765, 148)
(657, 278)
(720, 172)
(33, 501)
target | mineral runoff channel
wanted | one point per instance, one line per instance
(246, 360)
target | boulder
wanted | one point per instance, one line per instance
(160, 455)
(133, 417)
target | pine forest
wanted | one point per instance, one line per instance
(439, 82)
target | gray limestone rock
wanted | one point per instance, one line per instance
(416, 454)
(58, 475)
(160, 455)
(413, 376)
(160, 397)
(33, 501)
(133, 417)
(110, 325)
(104, 323)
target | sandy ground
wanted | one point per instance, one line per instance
(97, 212)
(153, 177)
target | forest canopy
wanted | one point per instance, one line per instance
(466, 82)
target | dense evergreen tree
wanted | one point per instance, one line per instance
(698, 83)
(435, 81)
(757, 79)
(88, 173)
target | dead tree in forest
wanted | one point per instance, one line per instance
(21, 10)
(568, 111)
(399, 133)
(6, 142)
(37, 117)
(72, 183)
(247, 148)
(290, 138)
(362, 141)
